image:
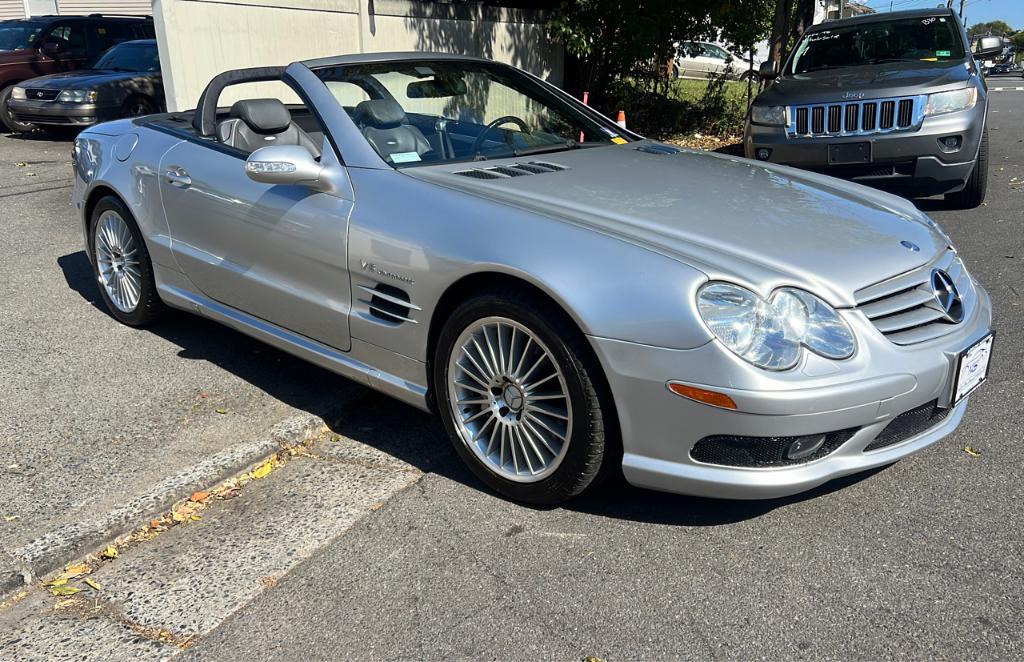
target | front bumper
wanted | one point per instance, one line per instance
(863, 394)
(55, 113)
(907, 161)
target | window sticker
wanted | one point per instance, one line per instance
(618, 140)
(405, 157)
(943, 53)
(929, 20)
(822, 36)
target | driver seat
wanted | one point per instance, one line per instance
(255, 123)
(384, 126)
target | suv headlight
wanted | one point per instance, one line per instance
(77, 96)
(19, 93)
(771, 333)
(953, 101)
(769, 115)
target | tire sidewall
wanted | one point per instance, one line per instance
(7, 118)
(564, 482)
(149, 303)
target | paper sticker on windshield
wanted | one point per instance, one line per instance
(943, 53)
(928, 21)
(618, 140)
(405, 157)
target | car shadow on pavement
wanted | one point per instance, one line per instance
(402, 431)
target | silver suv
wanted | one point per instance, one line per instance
(893, 100)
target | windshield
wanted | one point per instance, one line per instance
(428, 112)
(19, 35)
(928, 39)
(130, 57)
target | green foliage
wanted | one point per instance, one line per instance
(997, 28)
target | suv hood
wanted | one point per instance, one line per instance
(759, 223)
(82, 78)
(876, 81)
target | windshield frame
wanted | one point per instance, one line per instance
(953, 26)
(540, 90)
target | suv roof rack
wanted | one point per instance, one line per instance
(120, 16)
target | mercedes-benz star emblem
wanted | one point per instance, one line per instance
(513, 397)
(946, 296)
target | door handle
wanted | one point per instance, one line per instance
(178, 177)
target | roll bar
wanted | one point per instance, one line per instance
(205, 119)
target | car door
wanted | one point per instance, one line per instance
(276, 252)
(72, 40)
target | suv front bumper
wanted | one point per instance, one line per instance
(860, 396)
(908, 161)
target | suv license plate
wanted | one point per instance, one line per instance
(849, 153)
(972, 368)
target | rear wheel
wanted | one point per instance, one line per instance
(7, 117)
(137, 107)
(121, 264)
(974, 192)
(520, 396)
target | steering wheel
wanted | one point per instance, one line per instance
(479, 142)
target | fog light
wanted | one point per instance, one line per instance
(802, 447)
(763, 154)
(951, 143)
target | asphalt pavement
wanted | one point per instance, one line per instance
(378, 544)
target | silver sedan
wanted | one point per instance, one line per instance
(571, 299)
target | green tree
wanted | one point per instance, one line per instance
(998, 28)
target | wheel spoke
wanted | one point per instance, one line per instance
(534, 385)
(523, 441)
(531, 417)
(491, 373)
(532, 431)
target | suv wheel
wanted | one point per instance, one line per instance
(7, 117)
(977, 184)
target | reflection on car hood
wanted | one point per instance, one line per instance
(876, 82)
(729, 217)
(84, 78)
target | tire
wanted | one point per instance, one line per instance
(121, 265)
(548, 460)
(7, 117)
(137, 106)
(976, 188)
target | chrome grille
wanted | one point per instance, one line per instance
(856, 118)
(41, 94)
(904, 308)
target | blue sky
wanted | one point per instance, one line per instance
(976, 11)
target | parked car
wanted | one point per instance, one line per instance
(705, 60)
(893, 100)
(999, 69)
(434, 227)
(42, 45)
(124, 82)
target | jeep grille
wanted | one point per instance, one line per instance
(856, 118)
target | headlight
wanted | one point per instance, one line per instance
(770, 334)
(19, 93)
(770, 115)
(77, 96)
(951, 102)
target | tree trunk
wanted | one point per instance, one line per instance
(780, 31)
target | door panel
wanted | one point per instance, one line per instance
(276, 252)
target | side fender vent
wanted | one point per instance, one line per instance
(389, 303)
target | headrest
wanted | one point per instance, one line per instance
(379, 113)
(262, 115)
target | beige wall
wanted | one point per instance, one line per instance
(12, 9)
(201, 38)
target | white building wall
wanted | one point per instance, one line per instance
(201, 38)
(12, 9)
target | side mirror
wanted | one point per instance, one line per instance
(768, 70)
(52, 48)
(988, 46)
(284, 164)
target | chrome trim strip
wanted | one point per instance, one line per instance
(387, 297)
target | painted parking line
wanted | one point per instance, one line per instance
(1007, 89)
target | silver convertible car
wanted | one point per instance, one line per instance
(571, 299)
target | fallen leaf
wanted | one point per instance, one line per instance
(263, 470)
(972, 452)
(221, 410)
(65, 590)
(11, 518)
(110, 552)
(65, 603)
(335, 438)
(21, 164)
(154, 523)
(77, 570)
(59, 581)
(93, 584)
(204, 394)
(199, 497)
(269, 581)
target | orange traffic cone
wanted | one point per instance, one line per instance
(621, 121)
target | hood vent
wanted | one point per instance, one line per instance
(513, 170)
(389, 303)
(659, 148)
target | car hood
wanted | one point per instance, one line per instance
(733, 218)
(83, 78)
(874, 82)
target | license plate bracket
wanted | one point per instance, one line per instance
(849, 153)
(972, 366)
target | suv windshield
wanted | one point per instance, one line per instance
(927, 39)
(19, 35)
(419, 112)
(130, 57)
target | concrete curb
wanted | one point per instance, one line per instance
(52, 550)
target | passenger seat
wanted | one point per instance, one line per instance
(255, 123)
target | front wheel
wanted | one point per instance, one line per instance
(520, 396)
(976, 188)
(7, 117)
(137, 107)
(121, 264)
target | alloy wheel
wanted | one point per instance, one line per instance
(117, 261)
